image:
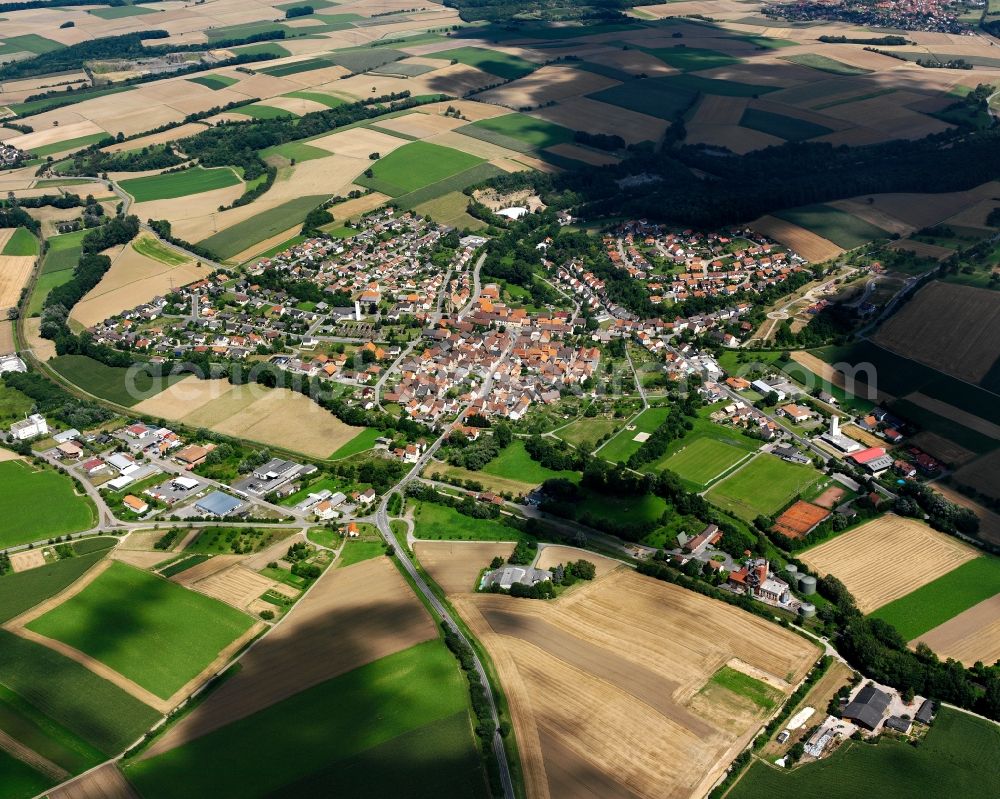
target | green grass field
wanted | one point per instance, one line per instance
(117, 12)
(39, 504)
(183, 565)
(328, 100)
(825, 64)
(450, 209)
(69, 144)
(944, 598)
(63, 252)
(457, 182)
(19, 780)
(43, 285)
(416, 165)
(29, 43)
(71, 695)
(179, 184)
(396, 727)
(958, 758)
(214, 82)
(619, 448)
(365, 59)
(763, 486)
(260, 111)
(515, 463)
(691, 59)
(22, 242)
(494, 62)
(363, 441)
(21, 591)
(702, 460)
(760, 693)
(158, 251)
(263, 48)
(788, 128)
(586, 432)
(440, 523)
(357, 551)
(244, 30)
(62, 99)
(113, 383)
(650, 96)
(227, 243)
(126, 614)
(613, 510)
(297, 150)
(295, 67)
(13, 404)
(535, 133)
(831, 223)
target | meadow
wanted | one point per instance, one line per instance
(515, 463)
(841, 228)
(619, 448)
(113, 383)
(73, 696)
(158, 251)
(762, 487)
(758, 692)
(416, 165)
(22, 242)
(168, 186)
(503, 65)
(535, 133)
(362, 442)
(956, 759)
(325, 99)
(396, 726)
(261, 111)
(44, 284)
(357, 551)
(436, 522)
(21, 591)
(214, 82)
(39, 503)
(944, 598)
(63, 252)
(126, 613)
(235, 239)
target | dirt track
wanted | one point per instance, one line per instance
(350, 617)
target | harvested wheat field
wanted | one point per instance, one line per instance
(44, 137)
(6, 337)
(14, 273)
(359, 143)
(973, 635)
(133, 279)
(958, 328)
(455, 565)
(732, 137)
(922, 249)
(204, 570)
(140, 558)
(545, 85)
(716, 110)
(609, 686)
(349, 617)
(552, 555)
(103, 782)
(29, 559)
(806, 243)
(420, 125)
(235, 586)
(887, 558)
(920, 210)
(174, 134)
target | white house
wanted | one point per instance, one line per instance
(34, 425)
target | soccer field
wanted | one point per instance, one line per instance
(762, 487)
(126, 615)
(703, 460)
(39, 503)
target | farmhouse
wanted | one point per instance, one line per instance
(506, 576)
(868, 707)
(34, 425)
(218, 504)
(710, 535)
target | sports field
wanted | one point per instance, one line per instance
(113, 383)
(957, 758)
(125, 614)
(834, 225)
(169, 185)
(22, 242)
(396, 727)
(762, 487)
(944, 598)
(703, 460)
(503, 65)
(39, 503)
(415, 165)
(71, 695)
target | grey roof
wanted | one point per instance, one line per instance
(868, 707)
(218, 504)
(926, 712)
(898, 723)
(506, 576)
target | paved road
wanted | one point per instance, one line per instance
(476, 287)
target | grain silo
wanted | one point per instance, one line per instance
(807, 584)
(807, 610)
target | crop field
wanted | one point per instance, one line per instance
(22, 242)
(703, 460)
(39, 503)
(125, 613)
(957, 329)
(317, 642)
(454, 183)
(117, 12)
(938, 601)
(72, 696)
(691, 59)
(610, 688)
(652, 96)
(455, 565)
(158, 251)
(15, 270)
(365, 60)
(179, 184)
(551, 555)
(440, 523)
(825, 64)
(861, 558)
(299, 151)
(416, 165)
(970, 637)
(63, 252)
(295, 67)
(841, 228)
(21, 591)
(762, 487)
(19, 779)
(503, 65)
(784, 127)
(450, 209)
(214, 82)
(534, 134)
(953, 760)
(113, 383)
(323, 99)
(235, 239)
(261, 111)
(396, 726)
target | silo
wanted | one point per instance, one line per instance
(807, 610)
(807, 584)
(793, 573)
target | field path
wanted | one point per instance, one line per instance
(104, 782)
(31, 757)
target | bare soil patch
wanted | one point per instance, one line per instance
(973, 635)
(350, 617)
(455, 565)
(235, 586)
(806, 243)
(420, 125)
(28, 559)
(888, 558)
